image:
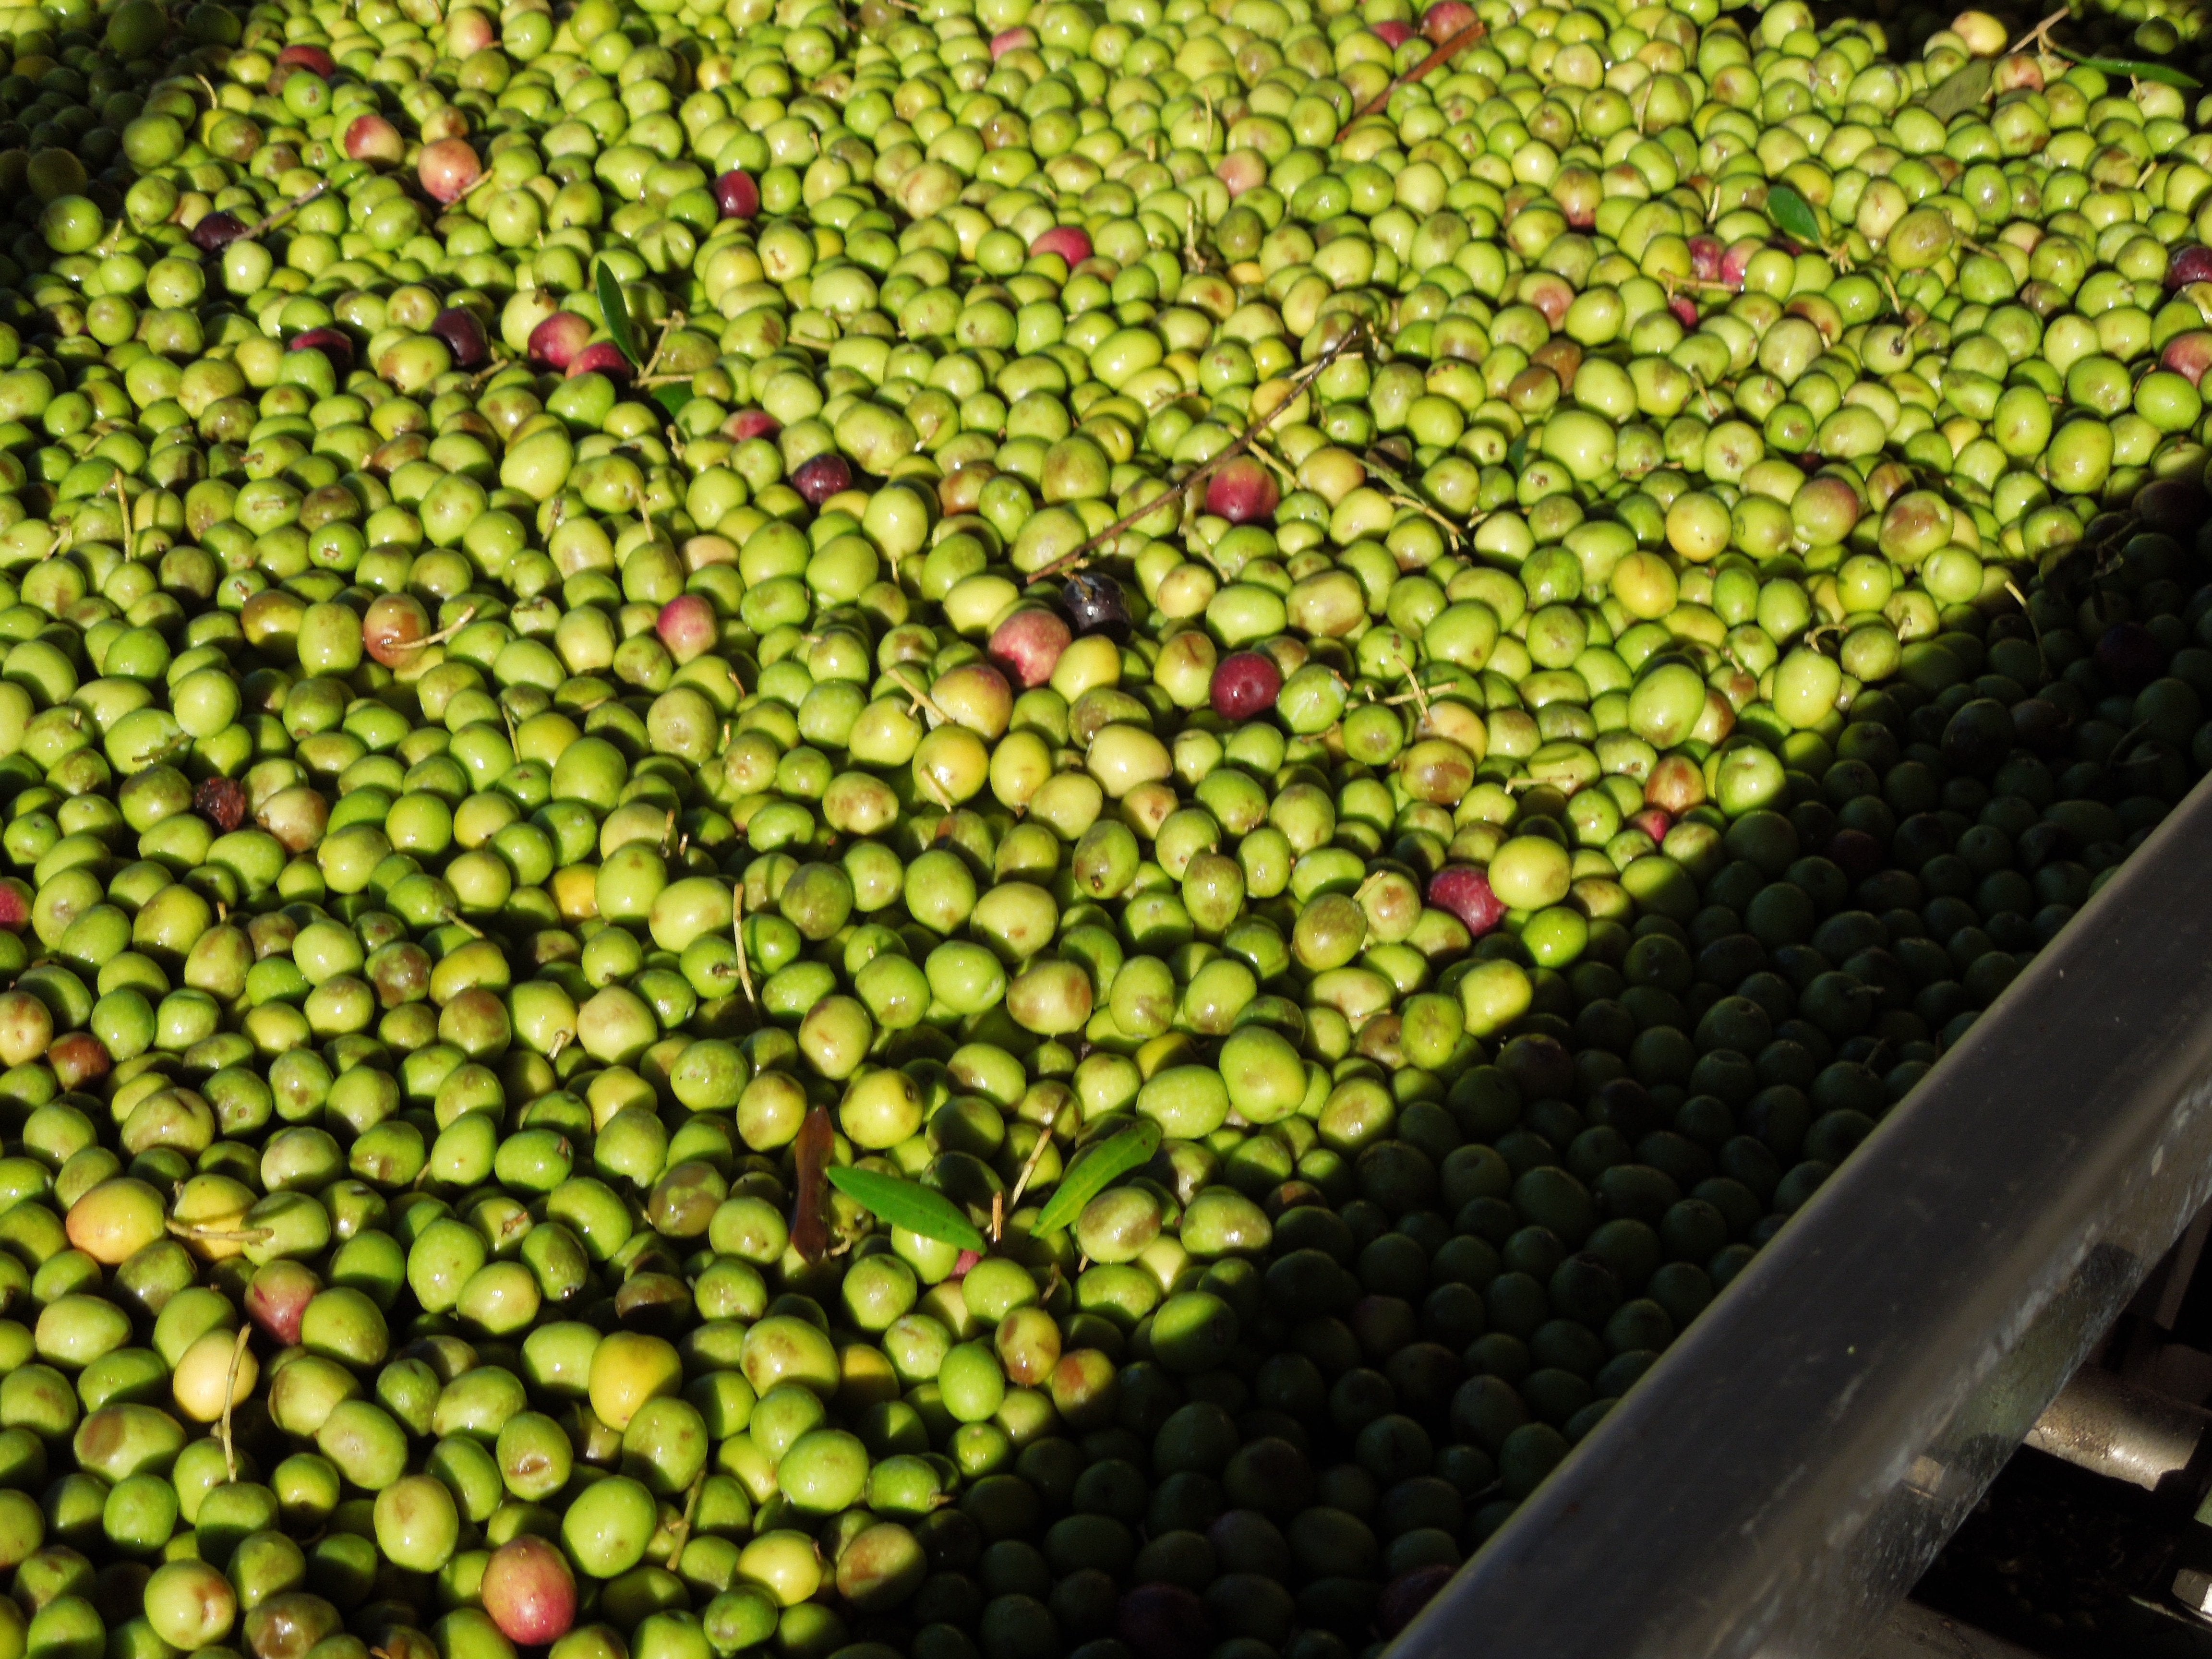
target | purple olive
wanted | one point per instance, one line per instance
(820, 479)
(1094, 605)
(736, 195)
(457, 325)
(331, 343)
(218, 230)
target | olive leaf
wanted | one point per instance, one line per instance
(2134, 69)
(609, 288)
(1961, 91)
(672, 399)
(1096, 1171)
(1792, 215)
(908, 1205)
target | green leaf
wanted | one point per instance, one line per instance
(1962, 91)
(2135, 71)
(908, 1205)
(1792, 215)
(1096, 1171)
(672, 399)
(612, 307)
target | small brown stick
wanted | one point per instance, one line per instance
(1442, 54)
(252, 233)
(229, 1390)
(809, 1220)
(1298, 382)
(998, 1217)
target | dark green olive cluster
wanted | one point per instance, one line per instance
(667, 671)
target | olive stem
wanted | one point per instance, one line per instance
(682, 1534)
(921, 699)
(1298, 382)
(645, 376)
(2129, 739)
(221, 1235)
(737, 929)
(444, 634)
(1028, 1168)
(229, 1392)
(1420, 694)
(1274, 463)
(1398, 497)
(1404, 697)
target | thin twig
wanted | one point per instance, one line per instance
(1298, 382)
(1442, 54)
(2040, 32)
(253, 232)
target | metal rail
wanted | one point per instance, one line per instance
(1780, 1479)
(1914, 1633)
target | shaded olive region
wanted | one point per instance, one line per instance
(992, 830)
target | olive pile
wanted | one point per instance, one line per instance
(1480, 632)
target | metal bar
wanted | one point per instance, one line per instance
(1917, 1633)
(1780, 1479)
(2103, 1424)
